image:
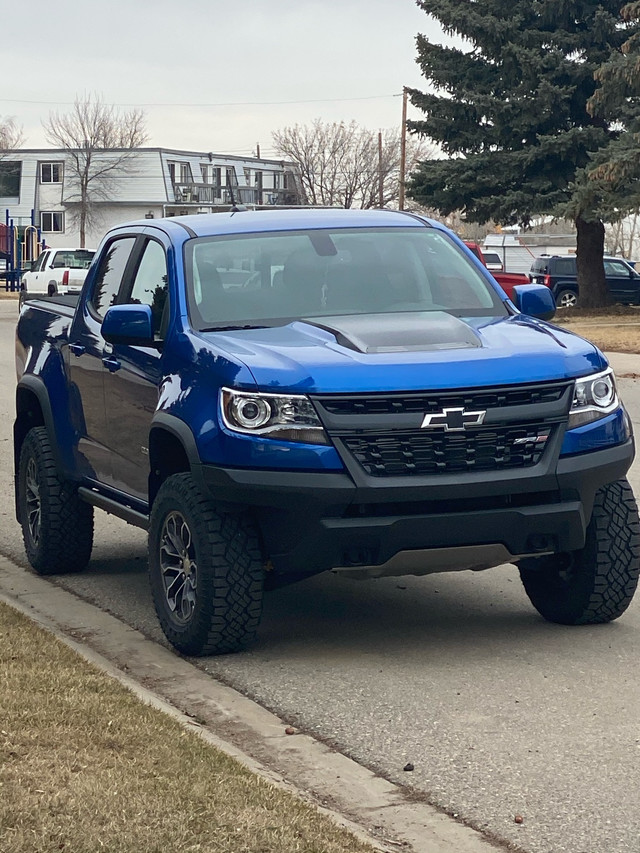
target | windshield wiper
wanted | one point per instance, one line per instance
(232, 328)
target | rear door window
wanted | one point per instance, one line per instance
(565, 266)
(150, 284)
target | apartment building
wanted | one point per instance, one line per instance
(39, 186)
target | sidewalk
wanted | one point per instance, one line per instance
(624, 363)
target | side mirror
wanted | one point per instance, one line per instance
(535, 300)
(128, 324)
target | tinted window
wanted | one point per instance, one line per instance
(110, 274)
(150, 283)
(564, 266)
(540, 265)
(280, 276)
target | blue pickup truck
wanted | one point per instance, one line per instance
(273, 394)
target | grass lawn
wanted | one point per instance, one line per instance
(616, 329)
(85, 766)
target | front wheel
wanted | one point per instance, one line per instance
(57, 527)
(205, 570)
(597, 583)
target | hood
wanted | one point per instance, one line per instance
(407, 352)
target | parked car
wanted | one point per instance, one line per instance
(367, 402)
(493, 261)
(559, 274)
(506, 280)
(57, 272)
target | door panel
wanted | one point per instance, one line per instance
(86, 368)
(622, 285)
(131, 385)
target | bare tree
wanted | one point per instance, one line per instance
(345, 165)
(100, 143)
(11, 136)
(621, 237)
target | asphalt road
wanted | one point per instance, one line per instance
(501, 713)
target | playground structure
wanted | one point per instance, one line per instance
(20, 245)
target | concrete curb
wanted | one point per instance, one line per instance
(374, 809)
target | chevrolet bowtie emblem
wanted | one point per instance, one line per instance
(453, 420)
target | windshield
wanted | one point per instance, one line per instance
(272, 278)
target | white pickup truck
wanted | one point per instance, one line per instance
(57, 271)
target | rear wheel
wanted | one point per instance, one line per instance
(567, 299)
(205, 570)
(57, 527)
(597, 583)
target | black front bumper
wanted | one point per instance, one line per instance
(312, 521)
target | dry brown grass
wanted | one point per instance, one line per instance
(85, 767)
(615, 329)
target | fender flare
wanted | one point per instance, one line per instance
(37, 387)
(181, 430)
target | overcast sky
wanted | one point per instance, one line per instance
(229, 71)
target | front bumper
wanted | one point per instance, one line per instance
(313, 521)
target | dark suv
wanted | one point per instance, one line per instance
(559, 274)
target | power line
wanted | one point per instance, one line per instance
(225, 104)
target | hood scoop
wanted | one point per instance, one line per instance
(421, 331)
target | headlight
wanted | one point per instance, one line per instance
(594, 397)
(290, 417)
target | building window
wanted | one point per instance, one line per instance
(217, 176)
(204, 169)
(276, 180)
(51, 173)
(185, 173)
(172, 172)
(10, 172)
(230, 175)
(52, 221)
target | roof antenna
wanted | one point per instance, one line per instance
(235, 208)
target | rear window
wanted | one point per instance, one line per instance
(78, 259)
(275, 277)
(540, 265)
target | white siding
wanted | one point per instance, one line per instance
(141, 187)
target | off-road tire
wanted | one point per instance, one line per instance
(217, 609)
(597, 583)
(57, 527)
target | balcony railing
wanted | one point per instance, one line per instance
(216, 194)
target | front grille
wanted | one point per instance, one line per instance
(436, 401)
(416, 453)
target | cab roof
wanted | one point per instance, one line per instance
(286, 219)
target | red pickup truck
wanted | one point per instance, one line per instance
(506, 280)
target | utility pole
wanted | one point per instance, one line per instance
(380, 179)
(403, 148)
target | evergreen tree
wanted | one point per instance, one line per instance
(509, 107)
(617, 99)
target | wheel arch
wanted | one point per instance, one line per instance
(172, 450)
(33, 408)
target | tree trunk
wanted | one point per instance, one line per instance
(592, 284)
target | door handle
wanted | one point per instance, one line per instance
(111, 363)
(77, 349)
